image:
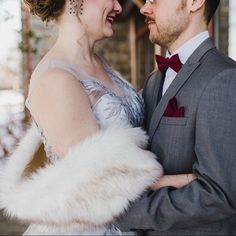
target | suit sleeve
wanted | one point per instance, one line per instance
(212, 197)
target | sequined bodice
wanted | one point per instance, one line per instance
(127, 107)
(108, 107)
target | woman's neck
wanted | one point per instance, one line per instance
(75, 50)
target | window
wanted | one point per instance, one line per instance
(232, 29)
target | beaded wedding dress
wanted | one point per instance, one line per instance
(84, 192)
(126, 107)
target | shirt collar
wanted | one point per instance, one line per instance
(186, 50)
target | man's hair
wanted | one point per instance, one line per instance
(210, 9)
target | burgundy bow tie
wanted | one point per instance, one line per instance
(165, 63)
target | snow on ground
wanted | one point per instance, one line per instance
(11, 122)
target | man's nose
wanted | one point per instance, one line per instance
(146, 9)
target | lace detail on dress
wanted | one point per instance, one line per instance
(128, 107)
(134, 102)
(52, 157)
(108, 107)
(129, 102)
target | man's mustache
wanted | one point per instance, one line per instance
(148, 19)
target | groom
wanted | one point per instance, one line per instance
(191, 120)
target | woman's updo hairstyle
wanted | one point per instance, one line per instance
(47, 10)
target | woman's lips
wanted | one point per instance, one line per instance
(111, 19)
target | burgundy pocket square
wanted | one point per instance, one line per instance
(172, 109)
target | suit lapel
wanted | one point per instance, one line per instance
(184, 74)
(153, 86)
(156, 89)
(176, 85)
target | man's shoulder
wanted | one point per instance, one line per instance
(210, 57)
(152, 76)
(150, 82)
(219, 59)
(217, 69)
(153, 73)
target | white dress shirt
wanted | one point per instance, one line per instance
(185, 51)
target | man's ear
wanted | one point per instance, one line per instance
(195, 5)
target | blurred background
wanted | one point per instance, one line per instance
(24, 40)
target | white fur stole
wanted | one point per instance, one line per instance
(91, 185)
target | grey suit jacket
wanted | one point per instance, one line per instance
(203, 142)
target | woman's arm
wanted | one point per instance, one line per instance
(177, 181)
(62, 110)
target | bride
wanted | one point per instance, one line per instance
(87, 117)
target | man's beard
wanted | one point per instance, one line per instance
(165, 34)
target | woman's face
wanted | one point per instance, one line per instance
(99, 16)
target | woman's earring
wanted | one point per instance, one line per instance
(81, 7)
(73, 7)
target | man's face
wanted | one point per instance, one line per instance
(166, 19)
